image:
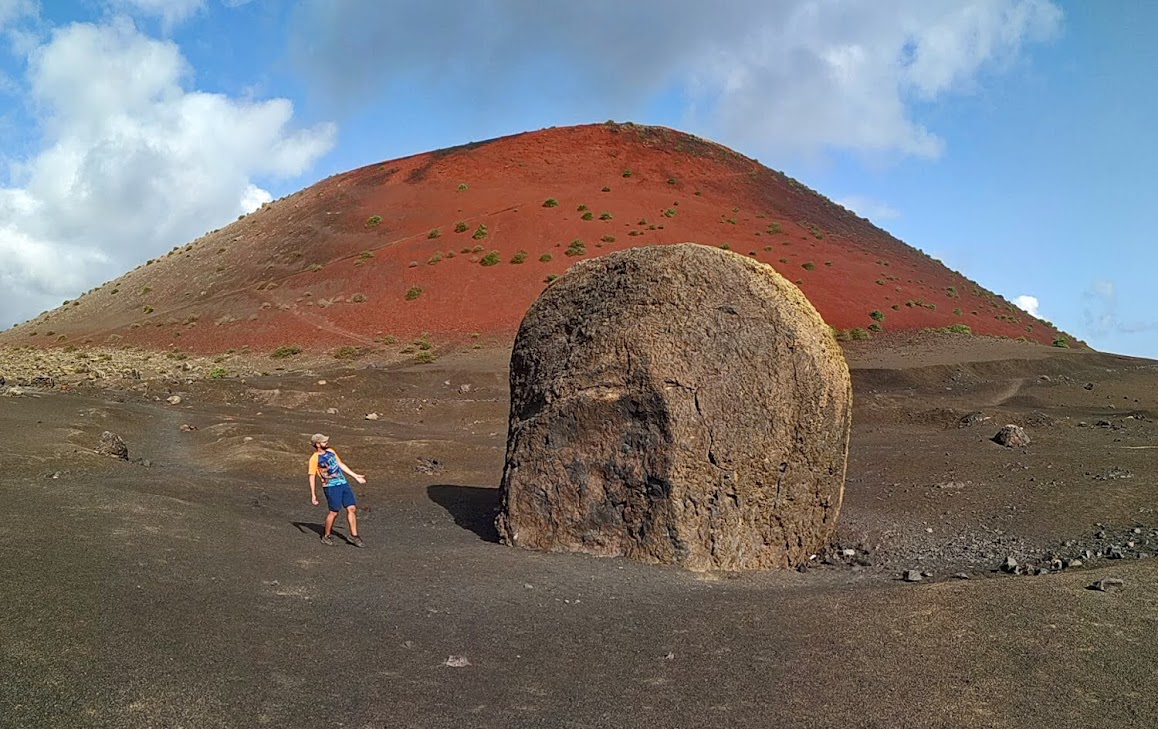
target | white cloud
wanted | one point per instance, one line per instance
(1028, 304)
(133, 163)
(171, 12)
(792, 75)
(866, 207)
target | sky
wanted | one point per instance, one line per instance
(1011, 139)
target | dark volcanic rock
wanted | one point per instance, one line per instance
(676, 404)
(112, 445)
(1012, 436)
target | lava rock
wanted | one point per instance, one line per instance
(1108, 584)
(1012, 436)
(719, 442)
(112, 445)
(1009, 565)
(913, 576)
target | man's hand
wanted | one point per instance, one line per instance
(359, 478)
(314, 498)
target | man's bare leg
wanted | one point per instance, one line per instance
(330, 522)
(352, 517)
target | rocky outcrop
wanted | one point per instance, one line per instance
(676, 404)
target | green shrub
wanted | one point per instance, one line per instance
(286, 351)
(877, 315)
(434, 233)
(373, 221)
(413, 293)
(576, 248)
(605, 215)
(216, 373)
(606, 189)
(726, 246)
(460, 226)
(550, 203)
(588, 215)
(358, 298)
(808, 266)
(627, 173)
(859, 335)
(958, 329)
(365, 256)
(546, 258)
(437, 257)
(551, 277)
(1061, 342)
(462, 187)
(480, 232)
(491, 259)
(608, 239)
(581, 208)
(875, 327)
(519, 257)
(670, 212)
(476, 249)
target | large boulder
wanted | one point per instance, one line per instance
(676, 404)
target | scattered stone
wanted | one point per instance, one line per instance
(848, 552)
(464, 389)
(1009, 565)
(321, 382)
(630, 419)
(968, 421)
(174, 400)
(670, 656)
(1108, 584)
(372, 416)
(429, 466)
(1069, 564)
(913, 576)
(247, 438)
(961, 576)
(456, 662)
(187, 428)
(13, 391)
(1089, 385)
(331, 411)
(528, 586)
(1012, 436)
(112, 445)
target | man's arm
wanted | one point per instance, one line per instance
(313, 491)
(357, 476)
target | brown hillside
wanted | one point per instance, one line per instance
(389, 251)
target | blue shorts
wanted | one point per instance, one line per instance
(339, 496)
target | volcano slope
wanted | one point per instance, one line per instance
(459, 242)
(195, 591)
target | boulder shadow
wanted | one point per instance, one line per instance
(473, 507)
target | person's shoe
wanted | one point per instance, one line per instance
(327, 540)
(357, 541)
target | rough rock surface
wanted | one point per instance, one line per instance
(112, 445)
(1012, 436)
(676, 404)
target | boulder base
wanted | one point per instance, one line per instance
(676, 404)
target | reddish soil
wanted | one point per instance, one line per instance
(331, 265)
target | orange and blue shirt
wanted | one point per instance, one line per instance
(325, 465)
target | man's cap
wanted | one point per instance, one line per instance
(319, 438)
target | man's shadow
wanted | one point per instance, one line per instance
(318, 529)
(473, 507)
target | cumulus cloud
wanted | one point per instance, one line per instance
(1028, 304)
(779, 75)
(133, 163)
(866, 207)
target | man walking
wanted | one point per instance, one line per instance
(325, 465)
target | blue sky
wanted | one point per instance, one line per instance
(1011, 139)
